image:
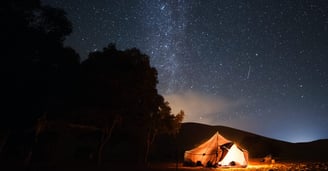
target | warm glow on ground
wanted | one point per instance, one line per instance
(253, 166)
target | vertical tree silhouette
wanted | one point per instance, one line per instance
(34, 62)
(120, 87)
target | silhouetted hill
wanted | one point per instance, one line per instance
(194, 134)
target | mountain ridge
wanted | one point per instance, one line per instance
(193, 134)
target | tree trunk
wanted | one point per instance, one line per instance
(106, 135)
(39, 128)
(4, 141)
(149, 141)
(103, 141)
(176, 153)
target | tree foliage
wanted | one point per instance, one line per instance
(117, 83)
(44, 81)
(36, 70)
(34, 58)
(120, 86)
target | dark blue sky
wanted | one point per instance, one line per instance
(257, 65)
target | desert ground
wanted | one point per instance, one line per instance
(253, 166)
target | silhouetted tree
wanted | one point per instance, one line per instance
(161, 122)
(120, 87)
(115, 84)
(34, 61)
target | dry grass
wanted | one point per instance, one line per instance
(253, 166)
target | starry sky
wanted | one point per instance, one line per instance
(256, 65)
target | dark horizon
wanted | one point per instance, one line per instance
(261, 135)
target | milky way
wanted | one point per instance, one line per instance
(166, 23)
(255, 65)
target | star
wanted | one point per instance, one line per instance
(252, 61)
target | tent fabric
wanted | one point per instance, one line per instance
(235, 157)
(216, 150)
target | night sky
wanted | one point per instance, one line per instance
(256, 65)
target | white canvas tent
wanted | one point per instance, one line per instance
(234, 157)
(217, 151)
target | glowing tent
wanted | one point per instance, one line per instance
(217, 151)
